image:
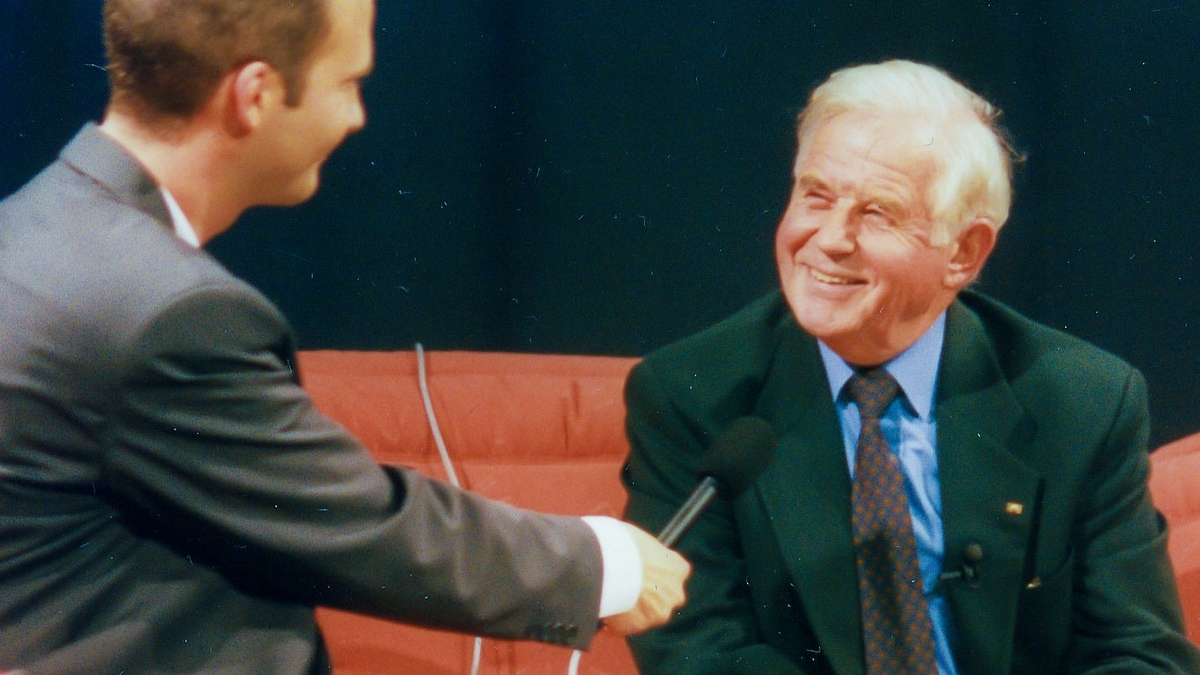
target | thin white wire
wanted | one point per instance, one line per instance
(477, 652)
(433, 423)
(422, 379)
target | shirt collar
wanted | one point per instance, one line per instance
(914, 368)
(183, 227)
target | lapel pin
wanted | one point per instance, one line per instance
(1014, 508)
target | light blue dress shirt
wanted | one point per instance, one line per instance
(910, 428)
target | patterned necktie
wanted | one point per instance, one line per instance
(897, 632)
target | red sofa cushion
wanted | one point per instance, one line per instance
(1175, 487)
(539, 431)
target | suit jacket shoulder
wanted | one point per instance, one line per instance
(717, 374)
(91, 237)
(1025, 348)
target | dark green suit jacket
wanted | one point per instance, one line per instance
(1042, 463)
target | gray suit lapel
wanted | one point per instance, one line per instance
(97, 156)
(989, 497)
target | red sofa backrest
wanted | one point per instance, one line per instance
(1175, 487)
(544, 432)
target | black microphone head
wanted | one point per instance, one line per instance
(739, 454)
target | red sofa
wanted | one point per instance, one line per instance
(540, 431)
(1175, 486)
(547, 432)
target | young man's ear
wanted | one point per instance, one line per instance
(248, 92)
(970, 250)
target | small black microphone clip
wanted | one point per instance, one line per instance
(972, 554)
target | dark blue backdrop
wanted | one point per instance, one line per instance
(603, 177)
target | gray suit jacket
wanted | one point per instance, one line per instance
(1042, 461)
(170, 500)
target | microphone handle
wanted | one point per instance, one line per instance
(687, 514)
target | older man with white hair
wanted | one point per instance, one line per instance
(957, 489)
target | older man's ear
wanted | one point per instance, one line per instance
(971, 249)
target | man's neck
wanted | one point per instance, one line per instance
(180, 159)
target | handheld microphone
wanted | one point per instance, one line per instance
(732, 462)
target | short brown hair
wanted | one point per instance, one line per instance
(166, 57)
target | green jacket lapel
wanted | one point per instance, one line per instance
(806, 494)
(989, 497)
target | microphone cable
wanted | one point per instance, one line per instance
(440, 442)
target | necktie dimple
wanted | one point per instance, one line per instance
(897, 632)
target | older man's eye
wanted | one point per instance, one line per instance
(876, 215)
(817, 199)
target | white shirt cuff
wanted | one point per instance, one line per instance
(622, 583)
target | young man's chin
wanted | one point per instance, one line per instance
(296, 194)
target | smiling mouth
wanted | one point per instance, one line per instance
(834, 280)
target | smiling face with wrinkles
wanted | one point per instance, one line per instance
(855, 249)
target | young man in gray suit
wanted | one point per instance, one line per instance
(957, 489)
(170, 500)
